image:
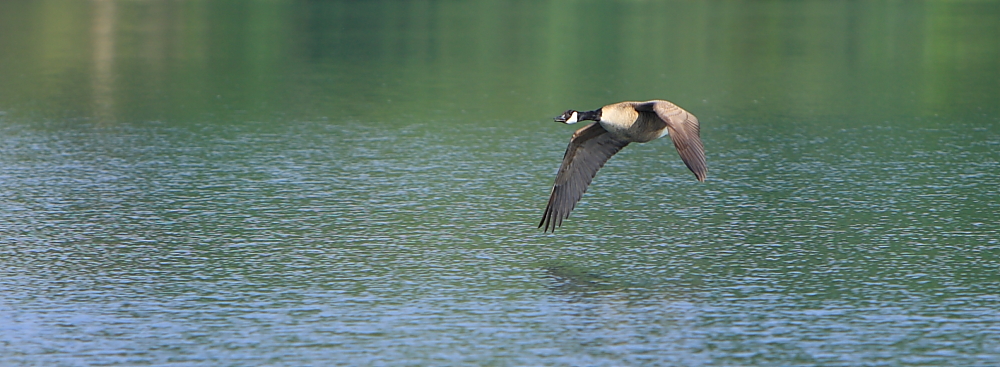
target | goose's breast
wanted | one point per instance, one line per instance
(647, 127)
(643, 136)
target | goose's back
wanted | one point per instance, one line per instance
(622, 120)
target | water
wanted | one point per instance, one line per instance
(289, 183)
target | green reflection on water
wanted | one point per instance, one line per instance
(391, 61)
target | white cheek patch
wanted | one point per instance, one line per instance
(572, 119)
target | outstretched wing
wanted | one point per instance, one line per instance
(684, 131)
(587, 152)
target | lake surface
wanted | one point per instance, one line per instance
(359, 183)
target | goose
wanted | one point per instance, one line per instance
(617, 125)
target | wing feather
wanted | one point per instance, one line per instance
(588, 150)
(685, 132)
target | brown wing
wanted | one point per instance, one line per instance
(587, 152)
(685, 133)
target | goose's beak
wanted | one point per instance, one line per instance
(568, 117)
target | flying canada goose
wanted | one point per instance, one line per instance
(616, 126)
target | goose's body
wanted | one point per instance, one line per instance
(616, 126)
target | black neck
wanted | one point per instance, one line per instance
(594, 115)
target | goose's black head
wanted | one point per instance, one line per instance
(568, 117)
(572, 116)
